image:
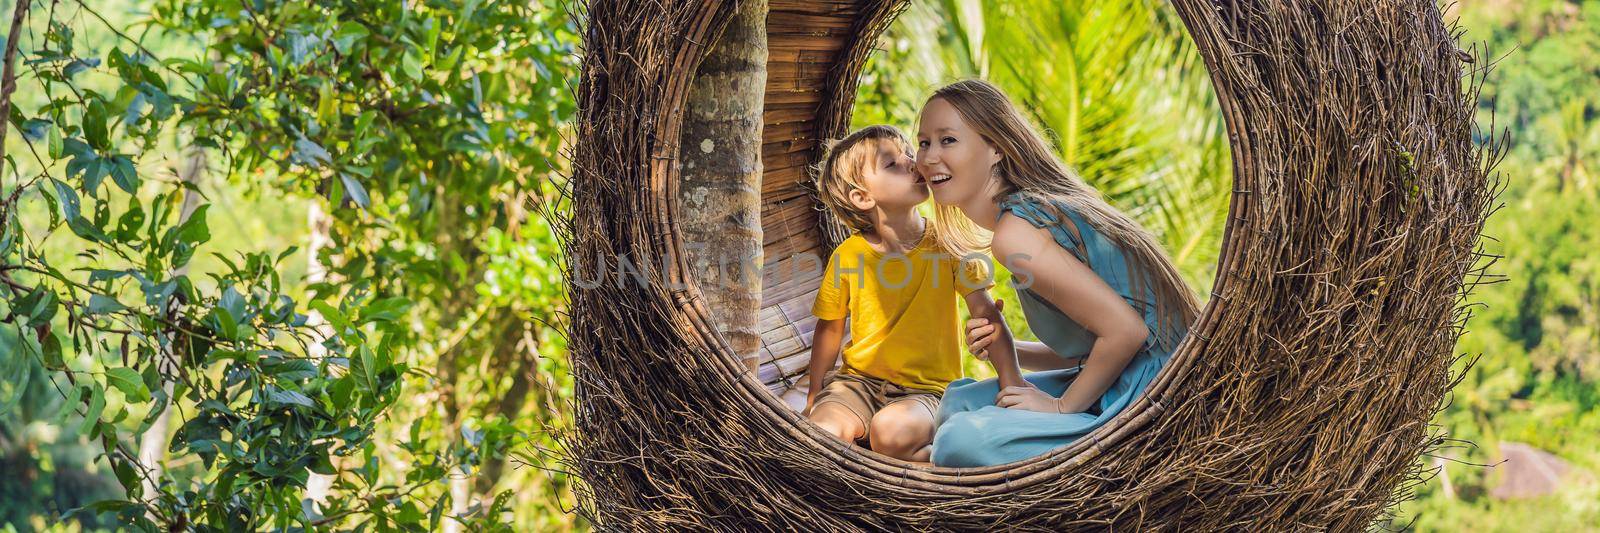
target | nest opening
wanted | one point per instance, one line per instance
(1302, 395)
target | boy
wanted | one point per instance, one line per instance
(898, 286)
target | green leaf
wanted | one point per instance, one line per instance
(309, 153)
(68, 199)
(348, 35)
(288, 397)
(81, 157)
(39, 305)
(321, 464)
(331, 314)
(369, 374)
(358, 193)
(291, 369)
(99, 507)
(80, 65)
(225, 325)
(94, 125)
(195, 230)
(135, 109)
(87, 230)
(50, 345)
(411, 64)
(14, 366)
(70, 207)
(123, 174)
(57, 143)
(66, 407)
(233, 302)
(131, 220)
(100, 304)
(385, 310)
(97, 405)
(35, 129)
(130, 383)
(8, 237)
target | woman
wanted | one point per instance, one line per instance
(1103, 297)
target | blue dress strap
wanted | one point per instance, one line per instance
(1067, 235)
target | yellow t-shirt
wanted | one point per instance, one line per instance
(902, 309)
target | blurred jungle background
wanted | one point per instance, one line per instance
(274, 264)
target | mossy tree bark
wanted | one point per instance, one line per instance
(720, 192)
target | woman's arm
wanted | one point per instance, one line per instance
(1037, 356)
(999, 350)
(1077, 291)
(825, 342)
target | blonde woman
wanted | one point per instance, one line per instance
(1100, 292)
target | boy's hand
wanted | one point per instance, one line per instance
(981, 332)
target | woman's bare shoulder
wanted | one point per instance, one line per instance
(1012, 234)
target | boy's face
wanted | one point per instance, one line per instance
(891, 177)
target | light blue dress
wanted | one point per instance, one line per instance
(974, 432)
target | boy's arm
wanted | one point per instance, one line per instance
(1002, 351)
(825, 343)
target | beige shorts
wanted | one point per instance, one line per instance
(864, 396)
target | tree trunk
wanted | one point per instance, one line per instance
(720, 164)
(321, 231)
(519, 360)
(153, 443)
(8, 70)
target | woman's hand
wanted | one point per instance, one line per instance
(1029, 398)
(981, 332)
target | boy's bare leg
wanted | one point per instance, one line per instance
(903, 430)
(836, 419)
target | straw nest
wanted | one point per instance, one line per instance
(1301, 399)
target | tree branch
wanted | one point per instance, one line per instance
(8, 78)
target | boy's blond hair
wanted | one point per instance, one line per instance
(843, 168)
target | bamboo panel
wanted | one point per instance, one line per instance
(788, 146)
(789, 131)
(788, 311)
(809, 20)
(791, 289)
(775, 115)
(780, 193)
(800, 272)
(792, 252)
(784, 161)
(813, 6)
(803, 96)
(797, 70)
(797, 163)
(796, 219)
(780, 56)
(791, 73)
(774, 371)
(841, 7)
(802, 41)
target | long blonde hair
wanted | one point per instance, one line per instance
(1030, 167)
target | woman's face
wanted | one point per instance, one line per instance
(957, 162)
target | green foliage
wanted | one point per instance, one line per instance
(1536, 333)
(317, 236)
(425, 135)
